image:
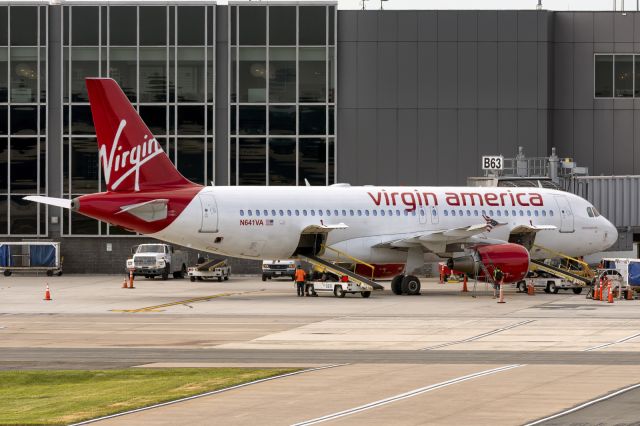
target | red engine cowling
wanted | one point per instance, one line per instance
(512, 259)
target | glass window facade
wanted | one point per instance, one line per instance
(163, 58)
(616, 76)
(23, 118)
(282, 94)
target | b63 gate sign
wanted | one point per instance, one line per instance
(492, 162)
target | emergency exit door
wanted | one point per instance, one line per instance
(209, 213)
(566, 215)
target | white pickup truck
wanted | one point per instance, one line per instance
(150, 260)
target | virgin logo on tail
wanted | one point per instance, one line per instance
(131, 159)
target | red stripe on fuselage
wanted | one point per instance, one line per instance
(106, 206)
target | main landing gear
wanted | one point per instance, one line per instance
(405, 284)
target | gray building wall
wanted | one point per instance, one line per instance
(603, 134)
(423, 94)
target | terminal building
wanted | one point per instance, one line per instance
(260, 93)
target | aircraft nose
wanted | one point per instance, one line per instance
(610, 235)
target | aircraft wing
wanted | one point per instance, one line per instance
(534, 228)
(436, 241)
(315, 229)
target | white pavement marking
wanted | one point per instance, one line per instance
(624, 339)
(586, 404)
(255, 382)
(406, 395)
(479, 336)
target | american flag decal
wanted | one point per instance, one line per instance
(269, 222)
(491, 223)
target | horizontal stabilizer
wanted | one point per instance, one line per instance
(52, 201)
(149, 211)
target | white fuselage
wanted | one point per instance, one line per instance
(266, 222)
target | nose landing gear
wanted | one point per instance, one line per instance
(405, 284)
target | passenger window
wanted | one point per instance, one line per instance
(550, 212)
(375, 212)
(529, 213)
(257, 212)
(446, 212)
(319, 212)
(490, 212)
(288, 212)
(421, 212)
(344, 213)
(313, 212)
(249, 213)
(513, 213)
(273, 212)
(413, 212)
(499, 213)
(453, 212)
(351, 213)
(544, 213)
(433, 212)
(475, 212)
(359, 212)
(241, 212)
(281, 212)
(484, 213)
(397, 212)
(382, 213)
(521, 213)
(406, 212)
(304, 212)
(297, 212)
(366, 212)
(535, 212)
(266, 212)
(468, 212)
(506, 212)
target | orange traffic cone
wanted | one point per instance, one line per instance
(601, 294)
(531, 289)
(47, 293)
(629, 294)
(609, 294)
(124, 283)
(464, 285)
(131, 279)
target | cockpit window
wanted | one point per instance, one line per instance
(590, 212)
(596, 212)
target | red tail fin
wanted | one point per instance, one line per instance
(132, 159)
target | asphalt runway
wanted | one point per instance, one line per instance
(390, 357)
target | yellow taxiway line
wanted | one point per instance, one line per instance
(158, 308)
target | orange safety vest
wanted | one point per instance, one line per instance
(300, 275)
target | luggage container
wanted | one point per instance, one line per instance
(30, 257)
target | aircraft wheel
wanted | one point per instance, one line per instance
(396, 282)
(577, 290)
(410, 285)
(522, 287)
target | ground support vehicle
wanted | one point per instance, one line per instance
(40, 256)
(151, 260)
(209, 270)
(337, 288)
(622, 273)
(278, 268)
(549, 284)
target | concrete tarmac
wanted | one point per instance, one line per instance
(552, 352)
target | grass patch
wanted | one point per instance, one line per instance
(52, 397)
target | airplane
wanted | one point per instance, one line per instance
(492, 227)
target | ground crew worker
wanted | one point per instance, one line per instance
(300, 279)
(498, 279)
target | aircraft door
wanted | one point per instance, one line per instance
(435, 219)
(566, 215)
(422, 214)
(209, 213)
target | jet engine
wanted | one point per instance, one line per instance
(512, 259)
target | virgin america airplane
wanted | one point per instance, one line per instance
(493, 227)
